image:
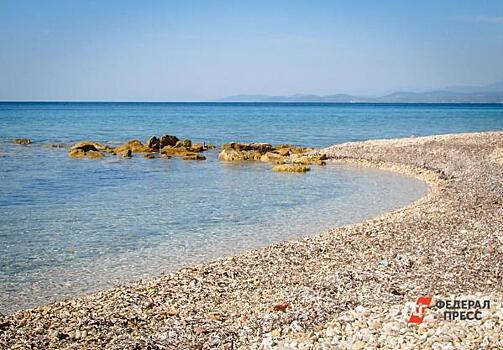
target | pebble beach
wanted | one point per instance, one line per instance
(353, 287)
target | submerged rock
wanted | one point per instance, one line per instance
(291, 168)
(94, 155)
(194, 157)
(21, 141)
(149, 156)
(55, 145)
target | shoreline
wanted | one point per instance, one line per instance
(290, 290)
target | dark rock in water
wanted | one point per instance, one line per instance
(168, 140)
(149, 156)
(21, 141)
(154, 142)
(127, 153)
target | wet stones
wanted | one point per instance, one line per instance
(154, 142)
(21, 141)
(287, 158)
(168, 140)
(134, 146)
(88, 149)
(291, 168)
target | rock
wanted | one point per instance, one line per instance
(184, 143)
(134, 146)
(233, 155)
(194, 157)
(21, 141)
(309, 159)
(77, 153)
(149, 156)
(81, 153)
(274, 158)
(168, 140)
(127, 153)
(291, 168)
(284, 152)
(197, 147)
(177, 151)
(90, 146)
(154, 142)
(249, 146)
(94, 155)
(289, 149)
(281, 306)
(276, 333)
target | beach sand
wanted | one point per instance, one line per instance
(305, 293)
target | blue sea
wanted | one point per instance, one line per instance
(72, 226)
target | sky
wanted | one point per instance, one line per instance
(202, 50)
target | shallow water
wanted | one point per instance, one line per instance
(72, 226)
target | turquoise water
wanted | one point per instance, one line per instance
(73, 226)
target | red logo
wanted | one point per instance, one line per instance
(422, 304)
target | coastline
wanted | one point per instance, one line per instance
(445, 243)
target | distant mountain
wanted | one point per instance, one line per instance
(492, 93)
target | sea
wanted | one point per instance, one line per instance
(73, 226)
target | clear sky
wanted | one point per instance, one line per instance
(200, 50)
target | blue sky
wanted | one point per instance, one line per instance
(200, 50)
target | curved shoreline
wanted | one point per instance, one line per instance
(292, 288)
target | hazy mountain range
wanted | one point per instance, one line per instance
(492, 93)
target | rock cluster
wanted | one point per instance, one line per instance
(286, 158)
(167, 145)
